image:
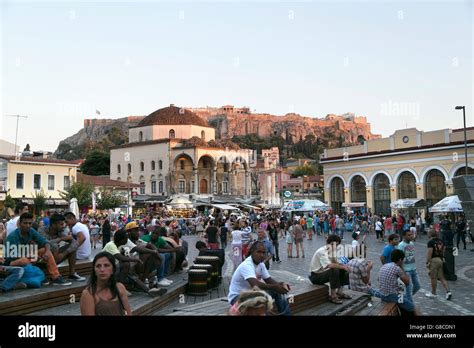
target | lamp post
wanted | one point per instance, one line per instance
(128, 194)
(304, 181)
(463, 108)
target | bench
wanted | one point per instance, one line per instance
(380, 308)
(303, 297)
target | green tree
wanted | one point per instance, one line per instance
(39, 201)
(108, 199)
(96, 163)
(81, 191)
(304, 170)
(9, 202)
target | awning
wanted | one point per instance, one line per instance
(450, 204)
(250, 206)
(305, 205)
(224, 207)
(354, 204)
(408, 203)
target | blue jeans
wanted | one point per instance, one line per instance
(406, 304)
(14, 275)
(414, 285)
(164, 265)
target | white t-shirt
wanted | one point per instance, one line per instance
(378, 226)
(355, 243)
(11, 225)
(246, 270)
(84, 251)
(128, 248)
(237, 237)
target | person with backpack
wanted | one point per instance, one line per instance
(434, 263)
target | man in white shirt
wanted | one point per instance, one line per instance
(80, 232)
(253, 273)
(325, 268)
(11, 225)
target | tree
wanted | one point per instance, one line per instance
(304, 170)
(96, 163)
(81, 191)
(39, 201)
(108, 199)
(9, 202)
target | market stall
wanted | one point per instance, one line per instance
(409, 207)
(305, 205)
(180, 207)
(450, 205)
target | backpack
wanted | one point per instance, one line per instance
(32, 276)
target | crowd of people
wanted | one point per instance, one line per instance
(140, 252)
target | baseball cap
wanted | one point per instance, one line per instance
(131, 226)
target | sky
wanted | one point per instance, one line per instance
(400, 64)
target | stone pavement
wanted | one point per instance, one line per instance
(462, 302)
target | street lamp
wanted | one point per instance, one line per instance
(463, 108)
(304, 180)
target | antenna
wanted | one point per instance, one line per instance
(16, 136)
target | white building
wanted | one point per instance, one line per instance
(173, 151)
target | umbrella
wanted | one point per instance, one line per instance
(305, 205)
(74, 207)
(450, 204)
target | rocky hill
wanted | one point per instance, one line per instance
(230, 123)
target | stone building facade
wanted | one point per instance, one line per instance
(174, 151)
(408, 164)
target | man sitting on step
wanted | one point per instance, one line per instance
(10, 277)
(120, 249)
(63, 245)
(325, 268)
(25, 237)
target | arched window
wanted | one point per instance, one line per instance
(140, 136)
(435, 189)
(152, 165)
(119, 168)
(119, 179)
(142, 166)
(160, 164)
(406, 185)
(203, 135)
(142, 185)
(337, 195)
(381, 190)
(462, 171)
(182, 184)
(153, 184)
(358, 193)
(160, 187)
(172, 134)
(129, 167)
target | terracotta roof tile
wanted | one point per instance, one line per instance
(104, 181)
(40, 160)
(172, 115)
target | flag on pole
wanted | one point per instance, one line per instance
(97, 112)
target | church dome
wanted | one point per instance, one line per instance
(172, 115)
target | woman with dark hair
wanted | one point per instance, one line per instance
(104, 295)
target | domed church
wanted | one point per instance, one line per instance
(174, 151)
